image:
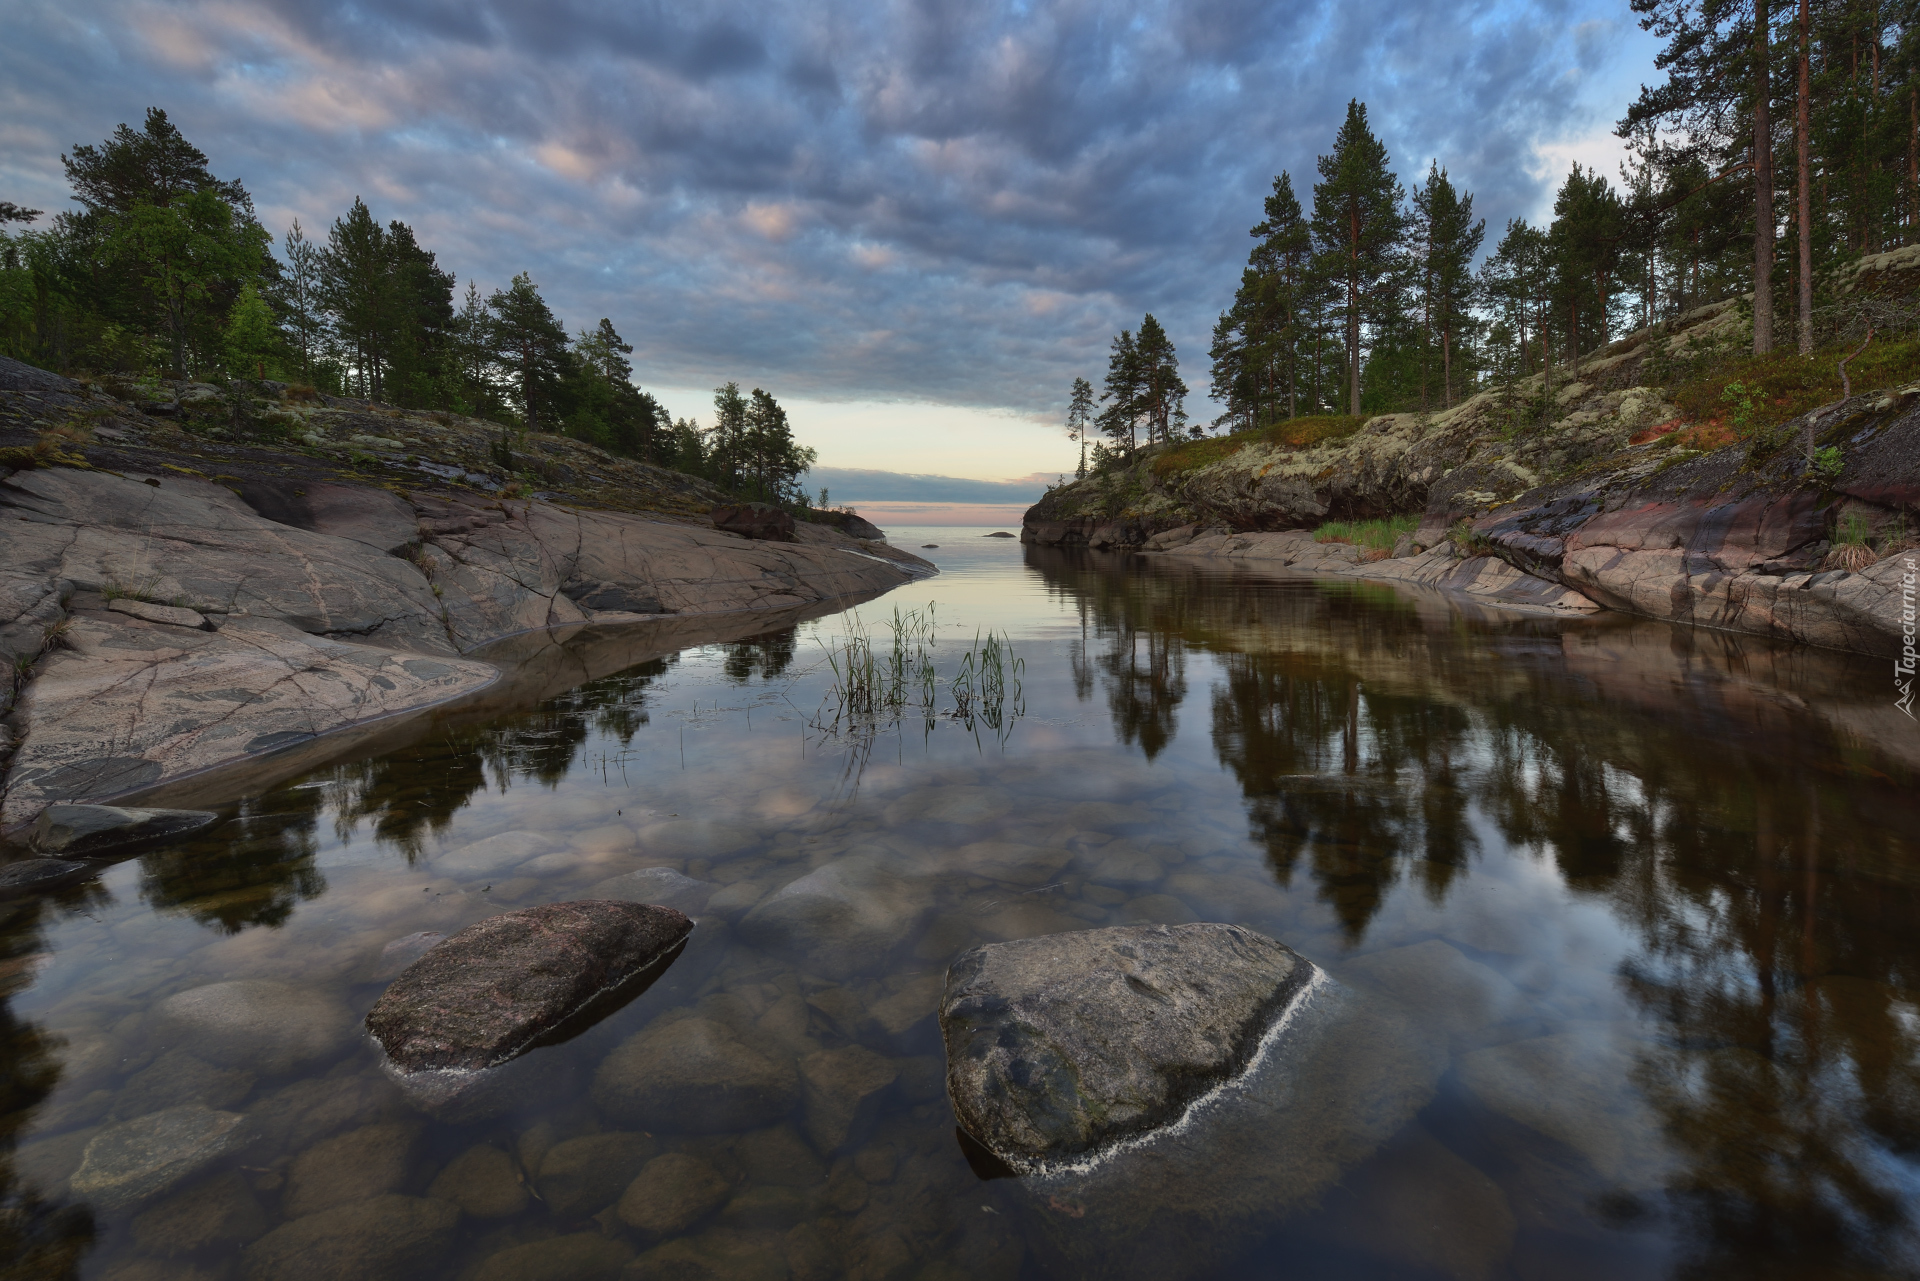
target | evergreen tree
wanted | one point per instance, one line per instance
(531, 346)
(1080, 418)
(1119, 422)
(1517, 281)
(10, 212)
(1258, 343)
(1357, 223)
(774, 461)
(1585, 243)
(725, 441)
(1162, 395)
(1718, 95)
(1449, 241)
(300, 296)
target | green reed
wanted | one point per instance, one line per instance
(881, 680)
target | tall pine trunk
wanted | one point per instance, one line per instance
(1762, 183)
(1803, 194)
(1353, 313)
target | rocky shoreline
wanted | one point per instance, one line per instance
(1608, 507)
(161, 622)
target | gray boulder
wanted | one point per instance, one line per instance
(841, 919)
(1061, 1044)
(130, 1162)
(484, 997)
(1326, 1080)
(486, 994)
(95, 831)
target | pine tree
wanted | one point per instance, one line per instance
(1449, 242)
(1585, 243)
(531, 345)
(353, 287)
(1119, 422)
(1162, 394)
(1357, 223)
(726, 440)
(1080, 418)
(301, 296)
(1257, 342)
(1718, 95)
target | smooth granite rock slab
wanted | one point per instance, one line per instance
(493, 990)
(1060, 1044)
(98, 831)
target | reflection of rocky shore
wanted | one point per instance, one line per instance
(1683, 777)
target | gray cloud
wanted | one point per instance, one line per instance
(934, 198)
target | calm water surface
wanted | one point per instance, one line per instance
(1659, 892)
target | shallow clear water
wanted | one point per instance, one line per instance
(1658, 892)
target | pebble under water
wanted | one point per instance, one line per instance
(1648, 897)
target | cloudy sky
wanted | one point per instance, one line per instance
(915, 223)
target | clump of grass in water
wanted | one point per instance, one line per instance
(877, 686)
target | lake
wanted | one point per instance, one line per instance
(1650, 894)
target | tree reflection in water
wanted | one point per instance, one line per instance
(1764, 861)
(40, 1238)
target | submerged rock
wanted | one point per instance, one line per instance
(34, 875)
(694, 1076)
(674, 1192)
(583, 1175)
(482, 1181)
(93, 831)
(256, 1024)
(486, 994)
(220, 1211)
(660, 885)
(387, 1238)
(583, 1256)
(842, 919)
(141, 1158)
(1060, 1044)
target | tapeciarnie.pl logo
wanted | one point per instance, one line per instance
(1904, 665)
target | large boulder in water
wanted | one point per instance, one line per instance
(98, 831)
(512, 982)
(1060, 1044)
(1167, 1095)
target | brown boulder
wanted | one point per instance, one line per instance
(754, 520)
(493, 990)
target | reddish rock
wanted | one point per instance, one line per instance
(754, 520)
(494, 989)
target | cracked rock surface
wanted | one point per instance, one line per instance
(1061, 1044)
